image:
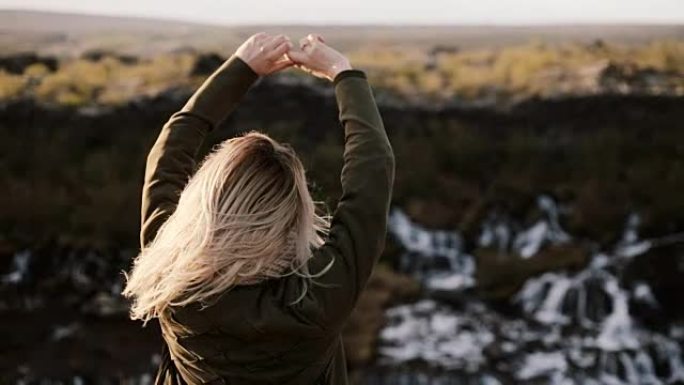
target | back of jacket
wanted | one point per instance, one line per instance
(252, 336)
(255, 334)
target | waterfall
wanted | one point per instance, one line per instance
(431, 332)
(573, 328)
(434, 257)
(499, 232)
(20, 268)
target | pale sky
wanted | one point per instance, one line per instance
(377, 11)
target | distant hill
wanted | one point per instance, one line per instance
(39, 21)
(68, 33)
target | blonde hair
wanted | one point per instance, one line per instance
(245, 213)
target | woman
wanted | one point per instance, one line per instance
(249, 284)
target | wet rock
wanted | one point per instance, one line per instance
(662, 269)
(499, 276)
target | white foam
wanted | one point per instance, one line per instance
(540, 364)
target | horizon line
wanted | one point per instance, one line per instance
(334, 24)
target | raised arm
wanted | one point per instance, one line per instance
(171, 160)
(358, 228)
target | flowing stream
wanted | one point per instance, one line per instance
(567, 327)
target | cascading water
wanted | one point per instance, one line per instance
(427, 251)
(573, 328)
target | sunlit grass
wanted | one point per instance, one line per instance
(107, 81)
(524, 70)
(10, 85)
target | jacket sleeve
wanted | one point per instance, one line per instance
(171, 160)
(358, 228)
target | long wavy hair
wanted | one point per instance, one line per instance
(246, 215)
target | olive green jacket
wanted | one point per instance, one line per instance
(252, 334)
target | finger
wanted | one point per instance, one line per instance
(298, 56)
(284, 57)
(303, 68)
(279, 50)
(274, 42)
(315, 37)
(282, 64)
(259, 36)
(305, 45)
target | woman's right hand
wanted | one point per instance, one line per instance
(265, 54)
(317, 58)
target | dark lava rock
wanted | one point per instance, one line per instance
(95, 55)
(500, 276)
(16, 64)
(662, 269)
(206, 64)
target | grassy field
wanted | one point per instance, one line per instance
(139, 57)
(510, 73)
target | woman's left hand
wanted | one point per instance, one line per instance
(265, 54)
